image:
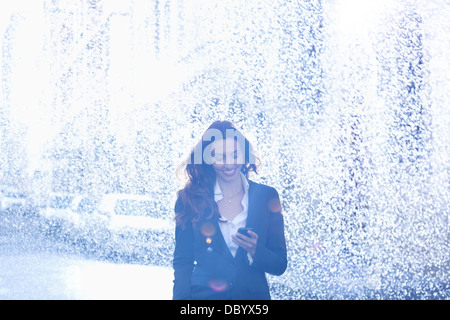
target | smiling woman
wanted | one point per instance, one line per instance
(208, 160)
(212, 260)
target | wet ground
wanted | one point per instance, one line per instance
(34, 265)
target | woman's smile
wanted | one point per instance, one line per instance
(229, 172)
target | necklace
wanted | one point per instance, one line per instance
(231, 198)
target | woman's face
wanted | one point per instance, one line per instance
(228, 159)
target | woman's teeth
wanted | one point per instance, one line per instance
(229, 172)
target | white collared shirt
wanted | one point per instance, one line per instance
(228, 227)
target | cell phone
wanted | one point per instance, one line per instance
(244, 231)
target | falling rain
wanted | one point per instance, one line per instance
(346, 103)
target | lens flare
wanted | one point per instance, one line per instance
(208, 229)
(275, 205)
(208, 240)
(218, 285)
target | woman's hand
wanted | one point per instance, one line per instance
(248, 243)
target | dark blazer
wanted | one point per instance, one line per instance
(204, 267)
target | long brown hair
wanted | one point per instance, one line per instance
(196, 201)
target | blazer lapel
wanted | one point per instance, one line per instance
(251, 215)
(252, 202)
(218, 236)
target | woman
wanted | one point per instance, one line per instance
(211, 259)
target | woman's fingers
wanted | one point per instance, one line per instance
(248, 243)
(252, 234)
